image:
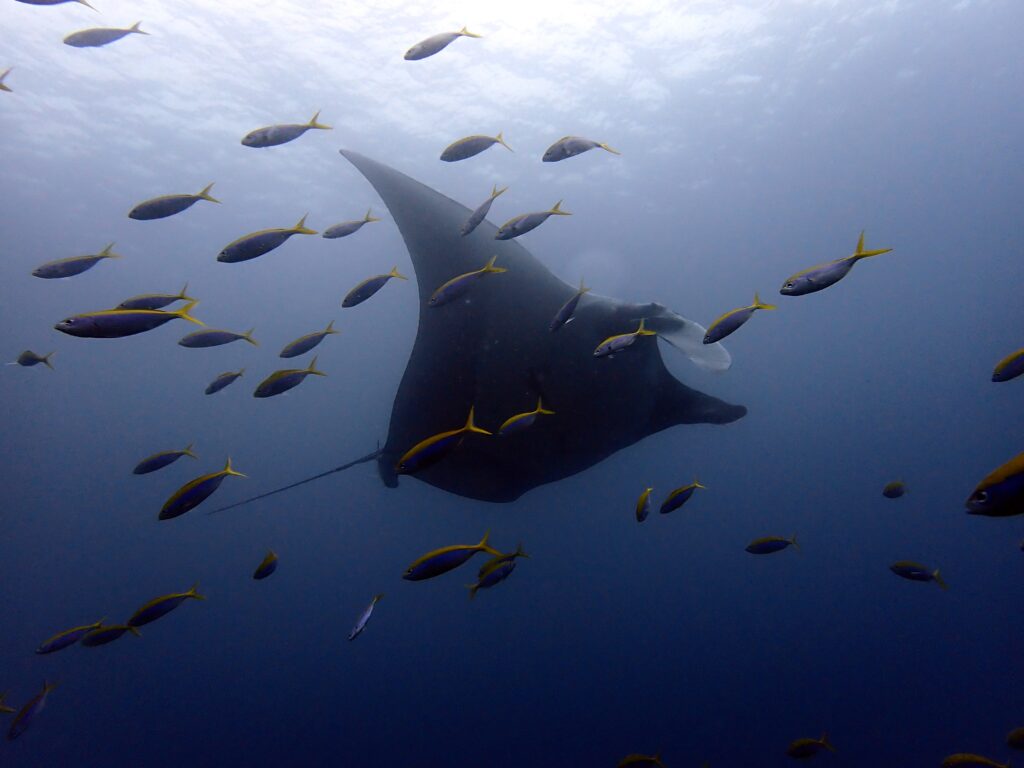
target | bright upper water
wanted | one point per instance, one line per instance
(757, 139)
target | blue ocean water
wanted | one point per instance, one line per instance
(757, 139)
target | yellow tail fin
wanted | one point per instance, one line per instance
(205, 194)
(556, 210)
(395, 273)
(189, 452)
(583, 289)
(606, 148)
(312, 369)
(466, 33)
(106, 253)
(314, 124)
(860, 253)
(501, 141)
(489, 267)
(229, 470)
(330, 329)
(135, 28)
(758, 304)
(937, 577)
(302, 229)
(641, 331)
(471, 427)
(368, 217)
(541, 409)
(183, 313)
(248, 337)
(183, 294)
(193, 594)
(495, 191)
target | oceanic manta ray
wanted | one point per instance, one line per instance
(492, 350)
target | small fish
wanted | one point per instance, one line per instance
(496, 575)
(346, 228)
(222, 380)
(481, 212)
(97, 36)
(303, 344)
(445, 559)
(266, 567)
(974, 761)
(524, 222)
(27, 713)
(894, 490)
(73, 265)
(3, 76)
(364, 617)
(435, 44)
(459, 285)
(679, 496)
(732, 320)
(67, 638)
(107, 634)
(565, 314)
(823, 275)
(161, 460)
(1001, 493)
(804, 748)
(155, 300)
(280, 382)
(1010, 367)
(259, 243)
(639, 761)
(4, 709)
(617, 343)
(916, 572)
(118, 323)
(1015, 738)
(428, 452)
(273, 135)
(211, 337)
(643, 505)
(495, 562)
(168, 205)
(195, 492)
(161, 606)
(55, 2)
(469, 146)
(769, 544)
(522, 421)
(28, 358)
(570, 146)
(368, 287)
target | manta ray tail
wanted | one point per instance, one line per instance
(343, 467)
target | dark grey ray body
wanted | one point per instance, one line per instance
(495, 352)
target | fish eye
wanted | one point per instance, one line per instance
(981, 497)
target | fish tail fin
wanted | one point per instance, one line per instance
(606, 148)
(330, 329)
(189, 452)
(556, 210)
(369, 216)
(229, 470)
(697, 484)
(519, 551)
(937, 577)
(134, 630)
(205, 194)
(106, 253)
(489, 267)
(641, 331)
(183, 293)
(183, 313)
(471, 427)
(541, 409)
(135, 28)
(758, 304)
(825, 742)
(314, 124)
(194, 594)
(860, 253)
(466, 33)
(378, 597)
(395, 273)
(46, 360)
(3, 75)
(495, 191)
(501, 140)
(248, 337)
(792, 540)
(472, 590)
(483, 546)
(583, 288)
(312, 368)
(302, 229)
(86, 4)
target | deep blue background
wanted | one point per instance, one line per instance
(903, 118)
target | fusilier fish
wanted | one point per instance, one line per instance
(459, 285)
(769, 544)
(894, 490)
(732, 320)
(67, 638)
(3, 76)
(917, 572)
(428, 452)
(524, 222)
(346, 228)
(107, 634)
(280, 382)
(495, 575)
(364, 617)
(822, 276)
(73, 265)
(1001, 493)
(445, 559)
(465, 148)
(212, 337)
(435, 44)
(678, 497)
(804, 748)
(98, 36)
(55, 2)
(481, 211)
(266, 567)
(223, 380)
(273, 135)
(161, 606)
(258, 243)
(570, 146)
(622, 341)
(168, 205)
(368, 287)
(118, 323)
(1010, 367)
(27, 713)
(643, 505)
(304, 344)
(967, 760)
(565, 313)
(155, 300)
(494, 562)
(161, 460)
(195, 492)
(28, 358)
(522, 421)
